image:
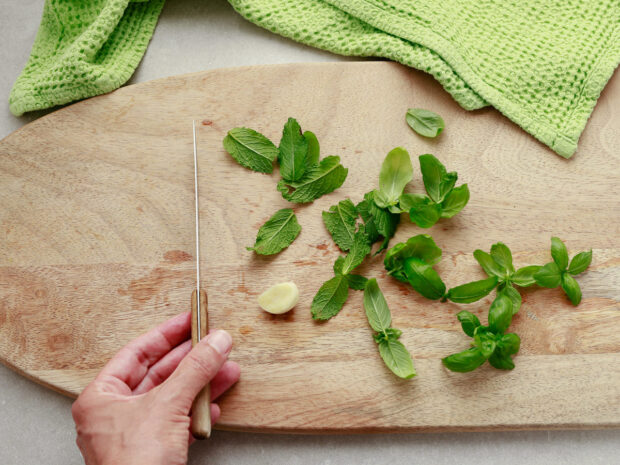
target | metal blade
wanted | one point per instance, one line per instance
(198, 309)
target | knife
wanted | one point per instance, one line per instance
(201, 408)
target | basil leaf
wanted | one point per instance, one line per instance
(251, 149)
(524, 277)
(397, 358)
(424, 122)
(426, 215)
(559, 253)
(359, 250)
(489, 265)
(376, 307)
(396, 172)
(465, 361)
(447, 183)
(580, 263)
(501, 254)
(407, 201)
(380, 199)
(293, 152)
(500, 314)
(507, 346)
(382, 221)
(515, 297)
(510, 343)
(455, 201)
(571, 288)
(486, 343)
(330, 298)
(314, 149)
(357, 282)
(421, 246)
(471, 292)
(370, 228)
(277, 233)
(424, 279)
(433, 173)
(338, 265)
(548, 276)
(319, 180)
(501, 361)
(469, 322)
(340, 222)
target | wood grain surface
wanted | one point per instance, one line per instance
(97, 238)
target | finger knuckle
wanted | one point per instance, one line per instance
(206, 361)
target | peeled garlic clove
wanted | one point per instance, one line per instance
(279, 299)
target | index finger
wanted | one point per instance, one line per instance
(130, 365)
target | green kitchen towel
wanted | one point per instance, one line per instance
(542, 63)
(83, 48)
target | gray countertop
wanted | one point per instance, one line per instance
(35, 423)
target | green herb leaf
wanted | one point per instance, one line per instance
(330, 298)
(421, 246)
(571, 288)
(318, 180)
(251, 149)
(376, 307)
(580, 263)
(489, 265)
(485, 342)
(424, 122)
(390, 334)
(397, 358)
(338, 265)
(501, 254)
(559, 253)
(447, 183)
(363, 208)
(314, 149)
(501, 361)
(424, 279)
(500, 314)
(548, 276)
(469, 322)
(524, 277)
(277, 233)
(396, 172)
(471, 292)
(357, 282)
(507, 290)
(508, 345)
(381, 199)
(340, 222)
(407, 201)
(293, 152)
(465, 361)
(359, 250)
(380, 221)
(455, 201)
(433, 173)
(425, 215)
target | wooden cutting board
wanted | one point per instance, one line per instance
(97, 238)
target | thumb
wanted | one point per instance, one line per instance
(197, 369)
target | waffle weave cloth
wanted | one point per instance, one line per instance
(542, 63)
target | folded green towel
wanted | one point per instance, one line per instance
(542, 63)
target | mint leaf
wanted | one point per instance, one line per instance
(330, 298)
(559, 253)
(524, 277)
(424, 122)
(500, 314)
(314, 149)
(277, 233)
(357, 282)
(469, 322)
(421, 246)
(501, 254)
(396, 172)
(507, 290)
(251, 149)
(293, 152)
(382, 221)
(318, 180)
(426, 214)
(489, 265)
(340, 222)
(580, 263)
(359, 250)
(397, 358)
(376, 307)
(465, 361)
(548, 276)
(338, 265)
(424, 279)
(455, 201)
(363, 208)
(471, 292)
(571, 288)
(433, 173)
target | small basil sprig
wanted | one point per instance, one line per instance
(560, 273)
(502, 275)
(424, 122)
(392, 351)
(412, 262)
(489, 342)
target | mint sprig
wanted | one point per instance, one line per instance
(277, 233)
(251, 149)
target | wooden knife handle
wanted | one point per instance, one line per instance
(201, 409)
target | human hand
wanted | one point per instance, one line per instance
(136, 411)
